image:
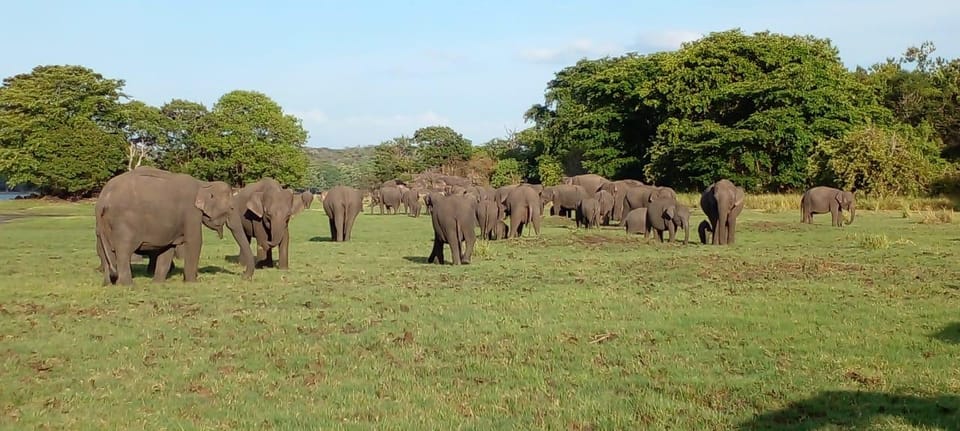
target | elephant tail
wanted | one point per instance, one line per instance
(103, 235)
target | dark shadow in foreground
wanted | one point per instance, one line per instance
(321, 239)
(140, 270)
(949, 333)
(858, 409)
(416, 259)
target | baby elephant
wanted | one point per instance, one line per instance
(666, 214)
(636, 221)
(501, 230)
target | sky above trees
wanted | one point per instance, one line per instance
(359, 73)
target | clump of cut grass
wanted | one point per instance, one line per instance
(874, 242)
(936, 217)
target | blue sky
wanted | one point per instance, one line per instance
(362, 72)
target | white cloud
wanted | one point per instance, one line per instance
(665, 40)
(570, 52)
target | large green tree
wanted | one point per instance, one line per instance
(185, 121)
(395, 158)
(247, 137)
(60, 129)
(441, 145)
(146, 130)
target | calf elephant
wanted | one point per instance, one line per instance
(641, 196)
(821, 199)
(722, 202)
(522, 204)
(619, 191)
(666, 214)
(263, 210)
(588, 213)
(606, 202)
(342, 205)
(151, 212)
(501, 230)
(454, 220)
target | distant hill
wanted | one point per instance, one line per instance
(336, 156)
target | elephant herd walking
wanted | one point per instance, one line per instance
(160, 215)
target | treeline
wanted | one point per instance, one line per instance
(66, 130)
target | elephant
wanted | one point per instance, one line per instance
(501, 230)
(389, 198)
(590, 182)
(703, 230)
(489, 214)
(342, 205)
(565, 198)
(667, 214)
(152, 212)
(605, 200)
(722, 202)
(619, 190)
(454, 220)
(263, 210)
(821, 199)
(636, 221)
(641, 196)
(588, 213)
(522, 204)
(411, 200)
(500, 194)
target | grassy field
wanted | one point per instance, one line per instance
(795, 327)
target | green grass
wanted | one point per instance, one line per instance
(794, 327)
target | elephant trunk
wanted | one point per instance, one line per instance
(853, 213)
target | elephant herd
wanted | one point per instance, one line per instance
(158, 214)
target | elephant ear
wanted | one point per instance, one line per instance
(669, 213)
(204, 197)
(738, 197)
(255, 204)
(839, 197)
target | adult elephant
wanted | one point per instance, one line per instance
(151, 212)
(722, 202)
(619, 190)
(489, 216)
(565, 198)
(411, 200)
(605, 200)
(522, 205)
(263, 210)
(390, 198)
(641, 196)
(454, 220)
(342, 205)
(822, 199)
(590, 182)
(667, 215)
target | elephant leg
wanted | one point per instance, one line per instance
(349, 220)
(243, 243)
(284, 251)
(333, 230)
(341, 221)
(731, 230)
(163, 263)
(437, 253)
(191, 260)
(673, 230)
(151, 263)
(453, 240)
(108, 277)
(514, 227)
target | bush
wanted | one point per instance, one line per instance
(550, 170)
(507, 171)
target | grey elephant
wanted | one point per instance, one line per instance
(264, 210)
(489, 215)
(501, 231)
(722, 203)
(564, 198)
(605, 200)
(619, 191)
(342, 205)
(822, 199)
(522, 205)
(454, 220)
(590, 182)
(151, 212)
(411, 200)
(389, 198)
(641, 196)
(588, 213)
(636, 221)
(668, 215)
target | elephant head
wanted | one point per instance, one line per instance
(214, 200)
(275, 207)
(847, 202)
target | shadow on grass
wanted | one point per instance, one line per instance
(949, 333)
(140, 270)
(326, 238)
(857, 410)
(416, 259)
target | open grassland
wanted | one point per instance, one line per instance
(795, 327)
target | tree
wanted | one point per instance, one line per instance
(506, 172)
(549, 170)
(395, 158)
(247, 137)
(146, 130)
(440, 145)
(60, 129)
(186, 120)
(751, 108)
